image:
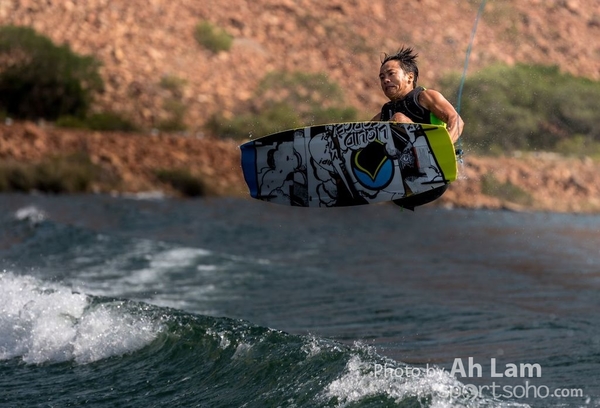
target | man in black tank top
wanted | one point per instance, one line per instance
(398, 76)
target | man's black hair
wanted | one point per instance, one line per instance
(407, 59)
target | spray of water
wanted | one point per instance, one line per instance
(48, 323)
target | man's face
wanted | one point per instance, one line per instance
(395, 83)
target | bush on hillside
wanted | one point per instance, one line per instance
(270, 120)
(175, 120)
(41, 80)
(173, 106)
(506, 191)
(579, 146)
(528, 107)
(58, 174)
(286, 100)
(105, 121)
(212, 37)
(173, 84)
(183, 181)
(314, 97)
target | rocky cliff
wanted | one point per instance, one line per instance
(141, 42)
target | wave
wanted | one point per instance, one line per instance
(172, 357)
(43, 322)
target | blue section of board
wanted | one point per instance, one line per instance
(249, 168)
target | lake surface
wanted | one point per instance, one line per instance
(131, 302)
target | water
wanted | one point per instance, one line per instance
(125, 302)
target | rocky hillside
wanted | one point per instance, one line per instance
(131, 159)
(142, 41)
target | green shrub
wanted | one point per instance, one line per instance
(275, 118)
(59, 174)
(580, 146)
(173, 105)
(41, 80)
(172, 84)
(213, 38)
(66, 174)
(182, 181)
(16, 176)
(72, 122)
(312, 96)
(505, 191)
(176, 113)
(286, 100)
(527, 107)
(106, 121)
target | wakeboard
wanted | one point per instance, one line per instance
(348, 164)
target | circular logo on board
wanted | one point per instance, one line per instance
(372, 167)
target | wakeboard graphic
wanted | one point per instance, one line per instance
(348, 164)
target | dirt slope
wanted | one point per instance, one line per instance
(142, 41)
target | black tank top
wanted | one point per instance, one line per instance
(409, 106)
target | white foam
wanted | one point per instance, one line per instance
(146, 195)
(362, 379)
(207, 268)
(30, 213)
(311, 347)
(224, 341)
(177, 257)
(105, 332)
(109, 278)
(162, 263)
(42, 322)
